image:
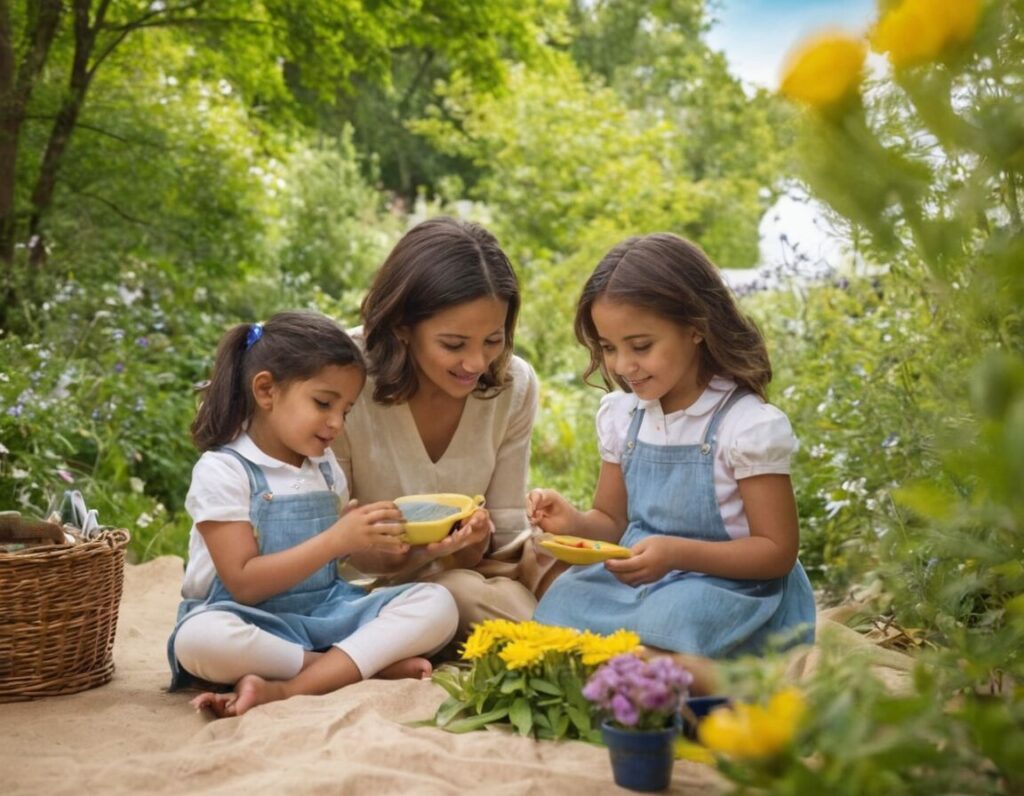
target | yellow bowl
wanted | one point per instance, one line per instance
(577, 550)
(429, 531)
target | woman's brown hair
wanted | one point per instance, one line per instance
(675, 279)
(291, 346)
(437, 264)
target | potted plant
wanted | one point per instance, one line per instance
(640, 700)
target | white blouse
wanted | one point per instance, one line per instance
(220, 492)
(383, 455)
(754, 438)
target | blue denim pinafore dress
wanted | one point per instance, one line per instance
(671, 491)
(316, 613)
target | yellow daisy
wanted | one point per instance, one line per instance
(824, 70)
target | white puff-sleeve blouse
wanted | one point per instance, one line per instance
(754, 438)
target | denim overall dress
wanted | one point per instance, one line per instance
(671, 491)
(316, 613)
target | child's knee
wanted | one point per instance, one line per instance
(444, 607)
(197, 642)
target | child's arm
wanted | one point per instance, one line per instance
(252, 578)
(769, 552)
(606, 521)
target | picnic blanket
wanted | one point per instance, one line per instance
(131, 736)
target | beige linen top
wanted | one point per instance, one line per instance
(383, 457)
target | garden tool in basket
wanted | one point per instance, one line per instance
(73, 511)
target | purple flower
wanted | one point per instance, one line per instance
(639, 694)
(624, 711)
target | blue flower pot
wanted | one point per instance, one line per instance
(700, 707)
(641, 759)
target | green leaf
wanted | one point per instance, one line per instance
(926, 499)
(521, 716)
(476, 722)
(512, 684)
(452, 683)
(580, 718)
(448, 710)
(545, 687)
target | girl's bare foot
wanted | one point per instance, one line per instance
(416, 668)
(249, 692)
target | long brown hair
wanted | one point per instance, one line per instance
(437, 264)
(291, 346)
(675, 279)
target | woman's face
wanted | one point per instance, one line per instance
(454, 348)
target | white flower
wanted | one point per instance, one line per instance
(137, 484)
(855, 487)
(144, 520)
(17, 473)
(833, 507)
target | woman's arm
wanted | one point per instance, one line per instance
(506, 488)
(769, 552)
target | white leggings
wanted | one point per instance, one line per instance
(221, 647)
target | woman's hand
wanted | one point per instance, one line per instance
(550, 512)
(651, 561)
(467, 544)
(375, 525)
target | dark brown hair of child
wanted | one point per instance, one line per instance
(437, 264)
(675, 279)
(291, 346)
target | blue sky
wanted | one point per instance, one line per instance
(756, 34)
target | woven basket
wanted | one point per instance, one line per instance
(58, 616)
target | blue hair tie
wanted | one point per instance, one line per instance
(254, 334)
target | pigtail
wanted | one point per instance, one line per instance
(227, 402)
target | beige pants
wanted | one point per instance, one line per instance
(479, 598)
(504, 585)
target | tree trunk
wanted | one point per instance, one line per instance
(16, 84)
(63, 125)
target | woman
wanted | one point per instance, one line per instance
(449, 408)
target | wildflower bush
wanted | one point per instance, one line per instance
(912, 428)
(528, 675)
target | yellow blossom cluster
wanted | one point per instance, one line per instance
(824, 70)
(752, 732)
(828, 68)
(522, 644)
(918, 31)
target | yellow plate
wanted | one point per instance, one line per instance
(435, 530)
(567, 548)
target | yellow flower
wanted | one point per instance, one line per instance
(556, 639)
(918, 31)
(694, 752)
(479, 642)
(520, 654)
(824, 70)
(748, 732)
(595, 649)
